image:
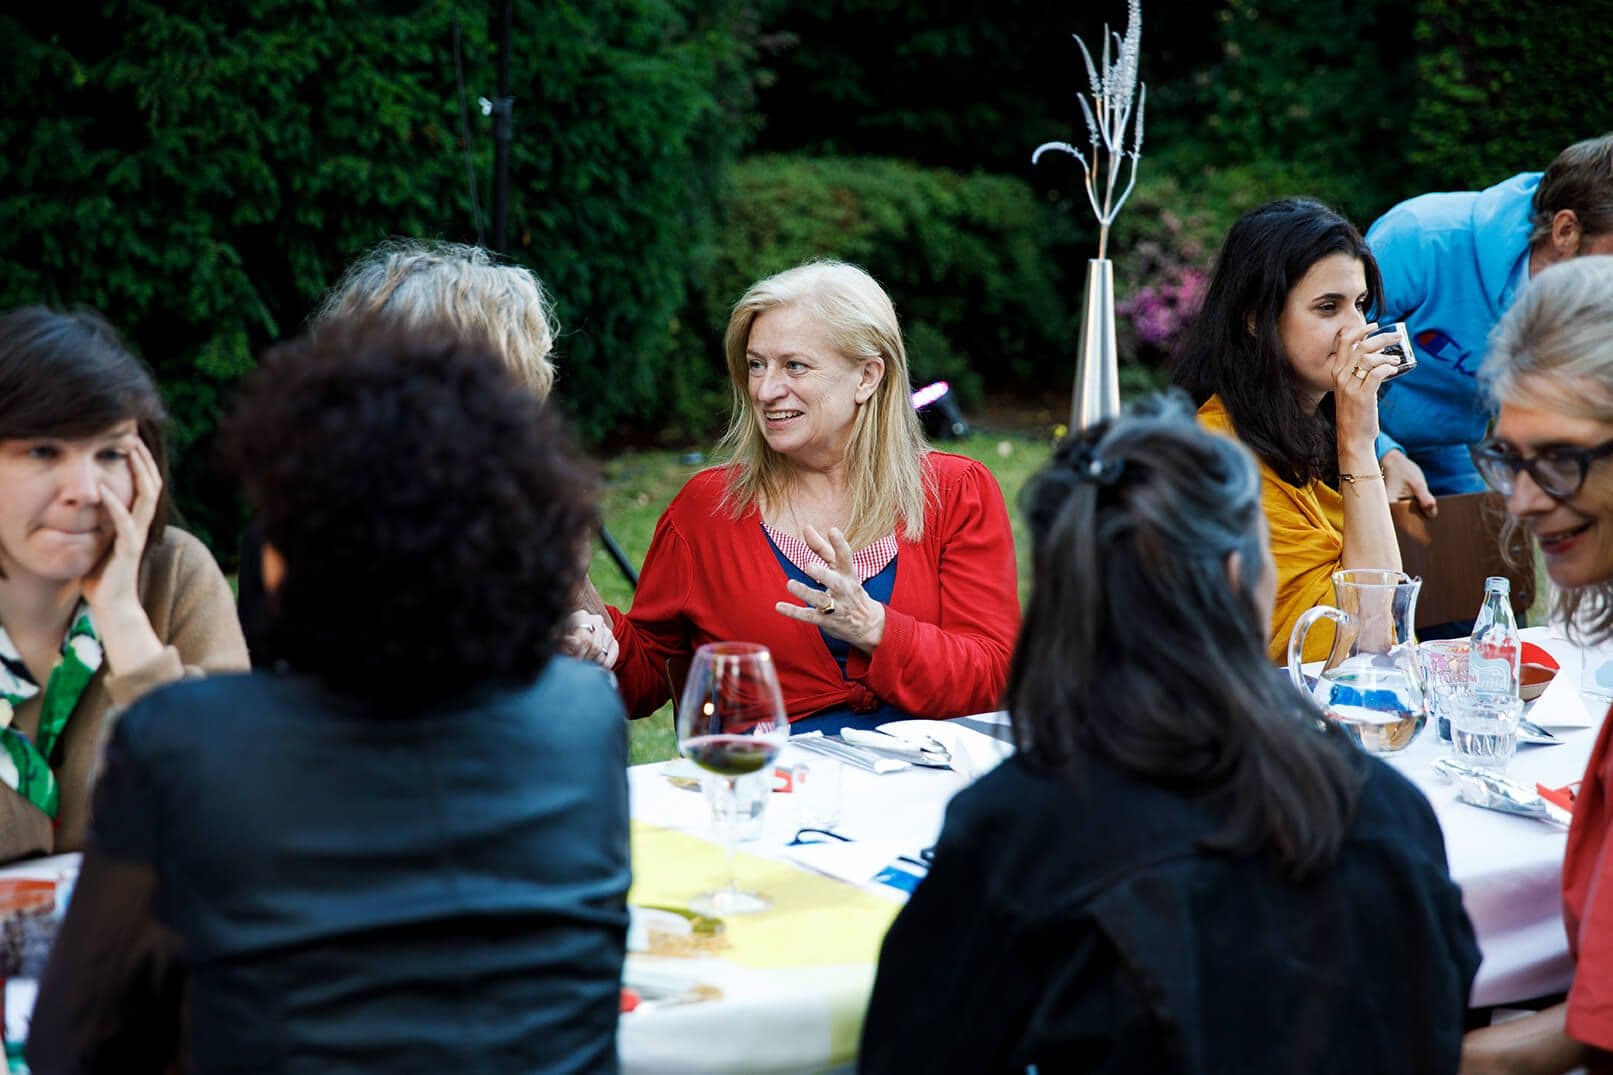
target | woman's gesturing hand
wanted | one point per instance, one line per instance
(842, 608)
(589, 637)
(1358, 368)
(112, 588)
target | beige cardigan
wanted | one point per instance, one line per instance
(193, 613)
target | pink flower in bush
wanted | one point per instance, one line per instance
(1160, 312)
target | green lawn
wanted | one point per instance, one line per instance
(639, 485)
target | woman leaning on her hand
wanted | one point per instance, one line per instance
(100, 599)
(1283, 358)
(880, 573)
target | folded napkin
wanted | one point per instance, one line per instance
(1561, 706)
(974, 754)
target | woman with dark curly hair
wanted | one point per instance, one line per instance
(100, 599)
(1283, 358)
(406, 849)
(1183, 868)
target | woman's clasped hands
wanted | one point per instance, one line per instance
(842, 608)
(588, 637)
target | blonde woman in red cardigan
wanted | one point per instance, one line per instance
(879, 572)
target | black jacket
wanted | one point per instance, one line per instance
(1082, 928)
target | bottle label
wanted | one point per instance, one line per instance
(1492, 676)
(1493, 660)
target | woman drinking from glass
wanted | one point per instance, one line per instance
(879, 573)
(1551, 370)
(100, 599)
(1184, 868)
(1282, 357)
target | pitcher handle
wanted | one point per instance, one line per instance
(1296, 640)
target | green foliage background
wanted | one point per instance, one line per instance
(970, 255)
(1504, 85)
(202, 172)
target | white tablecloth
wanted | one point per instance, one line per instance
(1510, 868)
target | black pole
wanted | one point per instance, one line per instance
(503, 108)
(503, 113)
(623, 564)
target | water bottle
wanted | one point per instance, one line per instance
(1495, 653)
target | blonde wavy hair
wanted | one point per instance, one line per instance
(420, 282)
(1553, 352)
(884, 457)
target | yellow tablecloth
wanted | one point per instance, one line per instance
(815, 921)
(807, 963)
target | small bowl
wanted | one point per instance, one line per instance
(1533, 679)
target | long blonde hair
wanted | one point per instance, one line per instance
(884, 457)
(1553, 352)
(419, 282)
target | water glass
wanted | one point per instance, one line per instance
(1484, 728)
(818, 789)
(745, 809)
(1596, 673)
(1445, 675)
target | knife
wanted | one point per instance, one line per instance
(866, 760)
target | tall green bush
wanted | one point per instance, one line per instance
(202, 172)
(1314, 92)
(1506, 84)
(941, 83)
(968, 259)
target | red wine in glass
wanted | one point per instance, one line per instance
(731, 755)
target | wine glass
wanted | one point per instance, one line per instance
(731, 722)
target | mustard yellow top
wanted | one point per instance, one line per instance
(1307, 541)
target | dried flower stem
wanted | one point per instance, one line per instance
(1109, 116)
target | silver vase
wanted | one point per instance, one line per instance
(1097, 373)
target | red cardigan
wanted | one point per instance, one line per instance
(1588, 898)
(949, 626)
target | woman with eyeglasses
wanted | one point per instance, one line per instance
(1551, 370)
(1283, 358)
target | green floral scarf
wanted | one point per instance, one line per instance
(24, 763)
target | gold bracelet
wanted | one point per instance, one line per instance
(1353, 478)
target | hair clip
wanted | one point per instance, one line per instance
(1089, 466)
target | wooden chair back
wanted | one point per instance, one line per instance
(1456, 550)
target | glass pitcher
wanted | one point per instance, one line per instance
(1371, 682)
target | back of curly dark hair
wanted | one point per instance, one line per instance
(432, 517)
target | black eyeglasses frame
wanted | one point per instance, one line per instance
(1489, 454)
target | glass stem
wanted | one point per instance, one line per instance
(731, 816)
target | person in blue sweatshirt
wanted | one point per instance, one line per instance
(1452, 264)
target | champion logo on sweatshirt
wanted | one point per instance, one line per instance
(1438, 346)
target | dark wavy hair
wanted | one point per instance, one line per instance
(432, 517)
(1138, 648)
(1232, 349)
(69, 375)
